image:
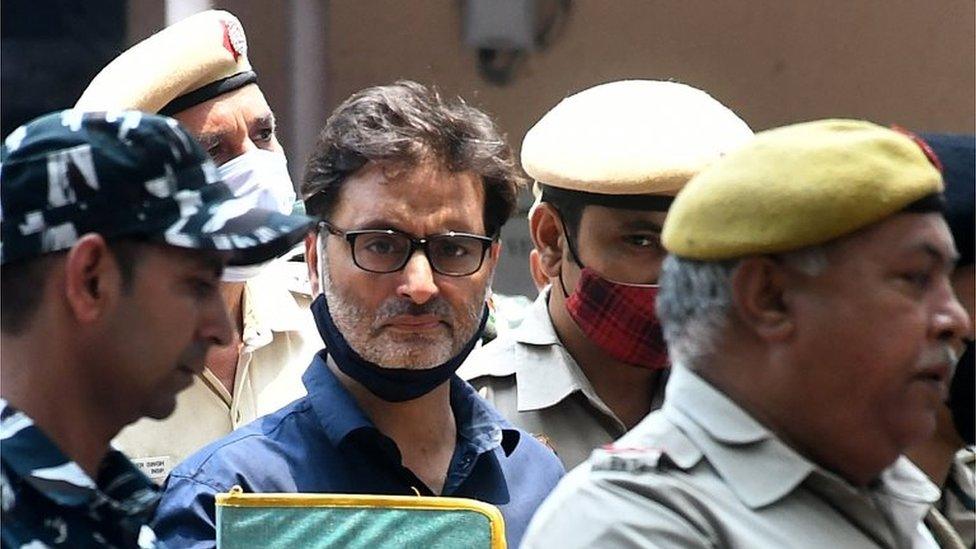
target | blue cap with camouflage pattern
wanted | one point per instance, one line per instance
(125, 174)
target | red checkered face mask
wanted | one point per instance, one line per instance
(619, 318)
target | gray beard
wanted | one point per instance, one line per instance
(364, 332)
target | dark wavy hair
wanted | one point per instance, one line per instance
(405, 124)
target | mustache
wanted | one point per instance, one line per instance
(942, 354)
(390, 308)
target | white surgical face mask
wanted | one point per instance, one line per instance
(261, 179)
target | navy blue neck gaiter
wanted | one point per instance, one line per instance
(391, 385)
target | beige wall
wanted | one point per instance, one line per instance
(911, 62)
(773, 61)
(893, 61)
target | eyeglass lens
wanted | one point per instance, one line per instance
(383, 252)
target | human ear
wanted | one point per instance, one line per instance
(312, 262)
(759, 288)
(491, 261)
(495, 251)
(91, 278)
(546, 230)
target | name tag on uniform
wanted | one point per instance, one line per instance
(625, 460)
(155, 467)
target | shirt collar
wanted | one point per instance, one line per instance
(35, 458)
(480, 431)
(337, 410)
(907, 493)
(545, 383)
(478, 424)
(268, 305)
(759, 468)
(536, 328)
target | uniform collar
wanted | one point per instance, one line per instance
(269, 306)
(536, 328)
(35, 458)
(761, 469)
(546, 383)
(907, 494)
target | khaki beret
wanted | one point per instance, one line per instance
(187, 63)
(798, 186)
(630, 137)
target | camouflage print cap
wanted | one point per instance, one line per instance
(125, 173)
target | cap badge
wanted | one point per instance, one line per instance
(234, 39)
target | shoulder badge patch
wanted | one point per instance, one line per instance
(626, 460)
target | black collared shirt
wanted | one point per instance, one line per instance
(48, 500)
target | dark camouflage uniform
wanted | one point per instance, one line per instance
(118, 174)
(48, 500)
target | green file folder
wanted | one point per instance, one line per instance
(356, 521)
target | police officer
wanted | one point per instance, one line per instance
(197, 71)
(808, 310)
(947, 457)
(114, 233)
(588, 361)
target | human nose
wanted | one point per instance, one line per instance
(418, 279)
(951, 322)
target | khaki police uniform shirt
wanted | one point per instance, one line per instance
(958, 503)
(701, 472)
(530, 377)
(279, 340)
(953, 518)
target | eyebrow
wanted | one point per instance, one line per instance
(210, 139)
(641, 225)
(939, 255)
(266, 120)
(381, 224)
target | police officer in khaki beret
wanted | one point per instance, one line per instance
(197, 71)
(808, 310)
(588, 361)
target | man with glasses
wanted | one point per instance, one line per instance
(588, 361)
(412, 191)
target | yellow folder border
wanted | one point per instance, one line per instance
(237, 498)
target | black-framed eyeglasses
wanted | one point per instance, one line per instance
(389, 250)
